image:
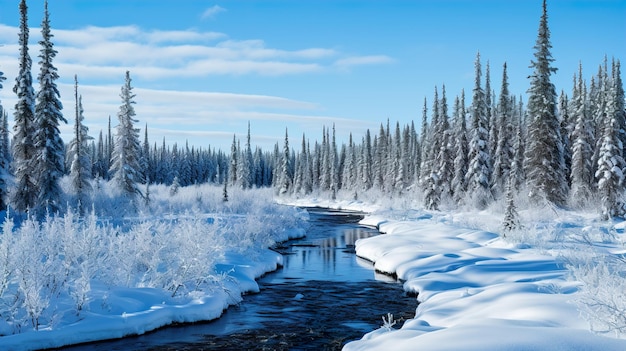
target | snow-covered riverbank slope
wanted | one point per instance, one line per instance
(76, 279)
(476, 291)
(556, 284)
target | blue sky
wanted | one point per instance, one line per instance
(203, 69)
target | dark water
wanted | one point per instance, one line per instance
(323, 297)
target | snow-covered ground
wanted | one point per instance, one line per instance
(185, 259)
(559, 283)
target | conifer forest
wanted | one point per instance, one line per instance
(113, 211)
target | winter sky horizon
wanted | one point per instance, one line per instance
(202, 69)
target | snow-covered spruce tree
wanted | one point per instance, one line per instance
(611, 162)
(581, 175)
(566, 131)
(598, 100)
(493, 123)
(24, 194)
(98, 167)
(396, 166)
(80, 170)
(511, 218)
(147, 171)
(610, 170)
(503, 155)
(517, 170)
(125, 165)
(407, 165)
(367, 180)
(380, 160)
(341, 165)
(185, 171)
(225, 192)
(424, 142)
(349, 169)
(48, 165)
(4, 153)
(478, 172)
(285, 179)
(175, 186)
(234, 161)
(445, 157)
(299, 176)
(246, 164)
(308, 181)
(334, 166)
(544, 162)
(430, 179)
(461, 160)
(618, 100)
(415, 157)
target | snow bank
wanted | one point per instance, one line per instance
(73, 280)
(476, 291)
(118, 312)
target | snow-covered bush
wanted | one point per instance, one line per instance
(602, 298)
(58, 268)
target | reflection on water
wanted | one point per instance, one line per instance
(301, 306)
(326, 255)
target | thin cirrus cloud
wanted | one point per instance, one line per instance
(101, 55)
(212, 11)
(161, 54)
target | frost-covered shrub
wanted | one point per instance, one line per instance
(602, 298)
(49, 268)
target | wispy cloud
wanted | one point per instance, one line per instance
(99, 52)
(212, 11)
(100, 55)
(363, 60)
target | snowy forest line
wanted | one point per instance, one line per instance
(565, 150)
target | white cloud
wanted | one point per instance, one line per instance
(212, 11)
(106, 52)
(363, 60)
(101, 55)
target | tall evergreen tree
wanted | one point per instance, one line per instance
(517, 163)
(80, 169)
(611, 162)
(461, 161)
(234, 161)
(285, 180)
(366, 162)
(4, 153)
(49, 147)
(617, 102)
(299, 186)
(445, 158)
(247, 164)
(424, 142)
(610, 170)
(478, 172)
(109, 146)
(581, 175)
(25, 193)
(566, 131)
(334, 166)
(544, 161)
(430, 175)
(144, 161)
(503, 119)
(125, 166)
(493, 125)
